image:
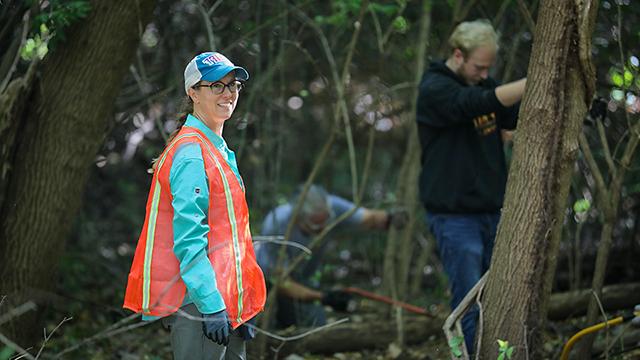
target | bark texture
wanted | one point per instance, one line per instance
(350, 337)
(560, 85)
(61, 129)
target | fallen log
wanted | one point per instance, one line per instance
(574, 303)
(352, 336)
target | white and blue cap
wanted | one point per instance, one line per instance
(210, 66)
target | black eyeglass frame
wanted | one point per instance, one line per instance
(239, 86)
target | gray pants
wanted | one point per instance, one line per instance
(189, 343)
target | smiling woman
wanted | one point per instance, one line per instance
(180, 266)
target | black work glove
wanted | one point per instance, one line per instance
(217, 327)
(397, 217)
(337, 299)
(246, 330)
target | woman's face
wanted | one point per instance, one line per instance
(214, 105)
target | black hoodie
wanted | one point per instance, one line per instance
(463, 165)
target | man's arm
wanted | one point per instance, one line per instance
(510, 93)
(375, 219)
(444, 102)
(295, 290)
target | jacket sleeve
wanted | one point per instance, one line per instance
(339, 206)
(444, 102)
(508, 118)
(190, 192)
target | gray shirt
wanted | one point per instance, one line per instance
(276, 222)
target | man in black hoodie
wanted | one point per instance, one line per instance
(461, 115)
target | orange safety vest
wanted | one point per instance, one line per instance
(155, 287)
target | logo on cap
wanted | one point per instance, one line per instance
(215, 58)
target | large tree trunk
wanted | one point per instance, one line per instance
(62, 128)
(559, 88)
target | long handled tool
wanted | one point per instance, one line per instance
(388, 300)
(597, 327)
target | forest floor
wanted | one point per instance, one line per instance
(91, 293)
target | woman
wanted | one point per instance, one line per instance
(194, 265)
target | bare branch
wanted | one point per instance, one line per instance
(595, 170)
(25, 31)
(47, 337)
(15, 312)
(24, 353)
(606, 322)
(526, 15)
(480, 321)
(206, 16)
(605, 147)
(277, 239)
(299, 336)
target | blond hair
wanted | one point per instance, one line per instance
(469, 35)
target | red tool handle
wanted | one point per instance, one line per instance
(388, 300)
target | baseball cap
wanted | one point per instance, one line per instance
(210, 66)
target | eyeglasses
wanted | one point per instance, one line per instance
(218, 86)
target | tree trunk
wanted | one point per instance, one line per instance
(559, 89)
(63, 127)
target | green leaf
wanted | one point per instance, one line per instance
(503, 344)
(383, 9)
(400, 24)
(617, 79)
(581, 206)
(509, 352)
(628, 78)
(501, 356)
(30, 45)
(42, 50)
(454, 345)
(456, 341)
(26, 53)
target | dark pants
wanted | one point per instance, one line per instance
(465, 245)
(301, 314)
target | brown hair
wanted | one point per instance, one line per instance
(186, 108)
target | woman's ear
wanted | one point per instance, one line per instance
(193, 94)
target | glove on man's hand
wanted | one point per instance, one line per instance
(337, 299)
(397, 217)
(217, 327)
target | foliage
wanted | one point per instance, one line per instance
(504, 350)
(58, 15)
(38, 46)
(581, 206)
(49, 26)
(454, 345)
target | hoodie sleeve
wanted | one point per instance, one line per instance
(443, 102)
